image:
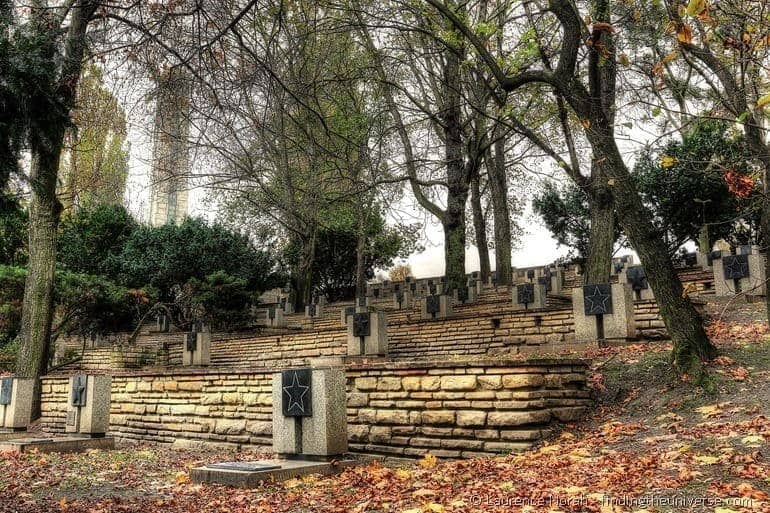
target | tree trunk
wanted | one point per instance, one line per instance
(481, 230)
(360, 256)
(602, 236)
(37, 310)
(684, 324)
(498, 186)
(764, 226)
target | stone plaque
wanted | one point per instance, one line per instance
(192, 341)
(244, 466)
(296, 393)
(735, 266)
(530, 274)
(433, 304)
(637, 278)
(399, 296)
(6, 388)
(79, 390)
(475, 275)
(283, 303)
(597, 299)
(413, 286)
(690, 259)
(525, 293)
(361, 325)
(349, 310)
(396, 287)
(545, 280)
(462, 295)
(618, 267)
(362, 301)
(744, 249)
(311, 309)
(376, 292)
(443, 279)
(271, 313)
(713, 255)
(432, 289)
(408, 279)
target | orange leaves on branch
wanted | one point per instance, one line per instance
(684, 34)
(739, 184)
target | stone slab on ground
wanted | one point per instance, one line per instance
(251, 479)
(57, 444)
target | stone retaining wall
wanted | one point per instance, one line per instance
(404, 409)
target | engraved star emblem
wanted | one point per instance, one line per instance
(736, 269)
(296, 393)
(597, 301)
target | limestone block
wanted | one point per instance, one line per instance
(471, 418)
(458, 382)
(16, 414)
(522, 380)
(618, 325)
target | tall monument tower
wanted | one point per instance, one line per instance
(170, 159)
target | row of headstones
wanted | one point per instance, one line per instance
(743, 271)
(309, 409)
(88, 405)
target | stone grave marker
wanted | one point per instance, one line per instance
(275, 317)
(367, 334)
(163, 324)
(635, 276)
(402, 296)
(197, 347)
(435, 306)
(286, 305)
(346, 312)
(362, 303)
(309, 413)
(309, 431)
(603, 312)
(741, 273)
(314, 310)
(15, 403)
(465, 295)
(620, 263)
(529, 296)
(88, 408)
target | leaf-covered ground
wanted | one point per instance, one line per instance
(655, 443)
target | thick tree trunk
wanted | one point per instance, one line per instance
(481, 230)
(498, 186)
(684, 324)
(37, 310)
(602, 236)
(457, 174)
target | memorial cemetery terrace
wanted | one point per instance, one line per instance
(397, 257)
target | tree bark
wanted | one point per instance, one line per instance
(602, 236)
(457, 179)
(480, 228)
(498, 186)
